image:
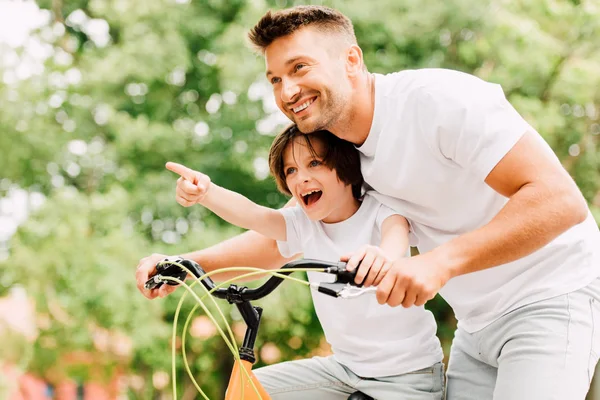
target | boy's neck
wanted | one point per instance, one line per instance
(344, 212)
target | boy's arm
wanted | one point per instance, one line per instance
(373, 262)
(241, 211)
(394, 236)
(196, 188)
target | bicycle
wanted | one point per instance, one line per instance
(243, 384)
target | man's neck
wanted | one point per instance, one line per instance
(356, 125)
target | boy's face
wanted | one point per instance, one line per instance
(307, 72)
(315, 187)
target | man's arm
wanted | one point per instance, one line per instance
(249, 249)
(543, 203)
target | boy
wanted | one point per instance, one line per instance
(384, 352)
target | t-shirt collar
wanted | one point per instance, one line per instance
(370, 145)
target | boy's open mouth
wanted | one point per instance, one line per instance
(311, 197)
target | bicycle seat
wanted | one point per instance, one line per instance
(359, 396)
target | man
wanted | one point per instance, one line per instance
(504, 234)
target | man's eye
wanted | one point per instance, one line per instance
(290, 170)
(299, 66)
(315, 163)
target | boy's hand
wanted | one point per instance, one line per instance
(192, 186)
(373, 265)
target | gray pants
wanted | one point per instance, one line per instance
(324, 378)
(543, 351)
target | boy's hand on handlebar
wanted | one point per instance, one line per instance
(192, 186)
(372, 264)
(147, 268)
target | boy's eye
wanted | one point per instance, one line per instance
(275, 80)
(315, 163)
(290, 170)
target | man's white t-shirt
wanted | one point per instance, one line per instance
(435, 137)
(371, 339)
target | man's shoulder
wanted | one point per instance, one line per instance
(426, 74)
(425, 80)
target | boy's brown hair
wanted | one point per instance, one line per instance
(274, 25)
(339, 155)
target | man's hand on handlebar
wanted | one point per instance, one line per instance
(147, 268)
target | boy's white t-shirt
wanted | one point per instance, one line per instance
(435, 137)
(371, 339)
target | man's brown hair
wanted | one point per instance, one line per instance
(339, 155)
(274, 25)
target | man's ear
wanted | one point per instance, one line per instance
(354, 60)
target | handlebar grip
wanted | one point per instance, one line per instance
(343, 275)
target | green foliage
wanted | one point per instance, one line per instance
(178, 82)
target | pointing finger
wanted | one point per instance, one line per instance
(182, 171)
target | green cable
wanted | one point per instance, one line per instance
(211, 317)
(255, 271)
(273, 272)
(174, 350)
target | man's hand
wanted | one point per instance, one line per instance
(146, 268)
(373, 265)
(192, 186)
(413, 281)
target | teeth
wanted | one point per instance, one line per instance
(311, 192)
(302, 106)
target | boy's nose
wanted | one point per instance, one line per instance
(304, 177)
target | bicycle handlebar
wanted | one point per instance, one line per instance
(234, 294)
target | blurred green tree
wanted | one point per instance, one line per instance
(127, 86)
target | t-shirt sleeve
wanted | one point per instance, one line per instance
(293, 230)
(470, 122)
(382, 214)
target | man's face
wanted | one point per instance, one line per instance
(308, 76)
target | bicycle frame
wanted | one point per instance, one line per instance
(239, 383)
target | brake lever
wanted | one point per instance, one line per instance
(342, 290)
(344, 286)
(350, 292)
(166, 268)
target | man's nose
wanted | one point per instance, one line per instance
(289, 92)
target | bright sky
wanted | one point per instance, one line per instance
(17, 19)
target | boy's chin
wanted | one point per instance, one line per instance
(313, 216)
